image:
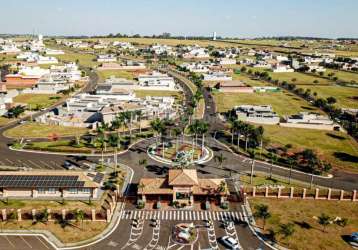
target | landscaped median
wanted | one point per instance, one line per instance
(306, 224)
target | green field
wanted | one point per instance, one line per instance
(347, 97)
(38, 130)
(308, 233)
(335, 147)
(283, 103)
(343, 75)
(248, 80)
(37, 100)
(104, 74)
(85, 59)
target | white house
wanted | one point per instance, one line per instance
(281, 68)
(156, 81)
(217, 76)
(262, 114)
(46, 60)
(54, 52)
(227, 61)
(196, 52)
(9, 49)
(107, 58)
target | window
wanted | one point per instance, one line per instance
(51, 191)
(73, 190)
(85, 190)
(41, 190)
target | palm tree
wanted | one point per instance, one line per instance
(202, 130)
(220, 159)
(79, 216)
(238, 127)
(176, 132)
(101, 143)
(158, 126)
(252, 154)
(287, 229)
(262, 213)
(194, 129)
(139, 115)
(324, 220)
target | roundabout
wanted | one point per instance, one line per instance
(175, 153)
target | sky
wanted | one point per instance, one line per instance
(229, 18)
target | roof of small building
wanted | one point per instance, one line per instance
(187, 177)
(28, 179)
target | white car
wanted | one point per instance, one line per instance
(230, 242)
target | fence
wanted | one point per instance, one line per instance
(103, 215)
(302, 193)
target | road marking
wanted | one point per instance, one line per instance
(11, 163)
(12, 244)
(190, 215)
(28, 244)
(39, 239)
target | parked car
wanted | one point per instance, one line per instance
(229, 242)
(69, 165)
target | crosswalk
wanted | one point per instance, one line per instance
(181, 215)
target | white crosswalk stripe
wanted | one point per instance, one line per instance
(181, 215)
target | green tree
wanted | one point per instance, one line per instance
(79, 216)
(324, 220)
(252, 154)
(262, 213)
(220, 159)
(286, 230)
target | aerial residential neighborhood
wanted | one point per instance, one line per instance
(140, 125)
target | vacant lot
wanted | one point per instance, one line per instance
(104, 74)
(335, 147)
(37, 100)
(248, 80)
(84, 59)
(347, 97)
(283, 103)
(308, 233)
(343, 75)
(38, 130)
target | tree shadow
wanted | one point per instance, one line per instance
(346, 157)
(307, 108)
(338, 137)
(303, 224)
(347, 238)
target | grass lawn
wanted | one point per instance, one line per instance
(104, 74)
(343, 75)
(301, 79)
(4, 120)
(37, 100)
(248, 81)
(38, 130)
(308, 233)
(73, 232)
(87, 60)
(335, 147)
(347, 97)
(283, 103)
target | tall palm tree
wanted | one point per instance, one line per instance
(203, 129)
(239, 128)
(79, 216)
(139, 115)
(158, 126)
(101, 142)
(176, 132)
